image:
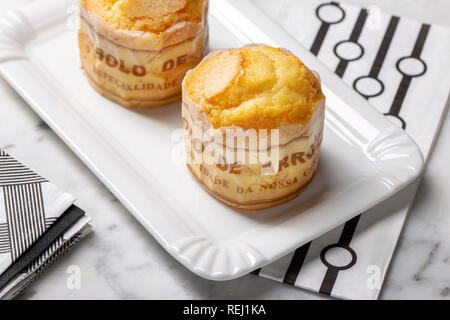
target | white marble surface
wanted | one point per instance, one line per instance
(120, 260)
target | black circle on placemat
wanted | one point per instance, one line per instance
(368, 95)
(422, 67)
(340, 14)
(339, 268)
(350, 58)
(397, 119)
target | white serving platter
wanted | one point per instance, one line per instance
(365, 158)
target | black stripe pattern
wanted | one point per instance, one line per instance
(339, 16)
(30, 241)
(5, 243)
(358, 51)
(296, 264)
(409, 75)
(13, 172)
(41, 264)
(23, 220)
(374, 87)
(34, 254)
(25, 215)
(378, 63)
(343, 243)
(351, 226)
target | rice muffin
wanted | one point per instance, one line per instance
(253, 120)
(136, 52)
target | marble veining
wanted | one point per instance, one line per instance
(120, 260)
(418, 276)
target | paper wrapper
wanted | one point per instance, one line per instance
(140, 69)
(223, 160)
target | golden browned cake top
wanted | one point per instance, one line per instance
(154, 16)
(257, 87)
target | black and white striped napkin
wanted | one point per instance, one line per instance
(38, 224)
(402, 68)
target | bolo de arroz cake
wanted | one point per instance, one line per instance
(253, 121)
(137, 52)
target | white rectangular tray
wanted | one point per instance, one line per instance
(365, 158)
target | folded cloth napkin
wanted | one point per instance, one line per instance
(38, 224)
(402, 68)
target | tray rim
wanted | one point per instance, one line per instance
(246, 256)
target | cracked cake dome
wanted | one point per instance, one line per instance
(253, 120)
(136, 52)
